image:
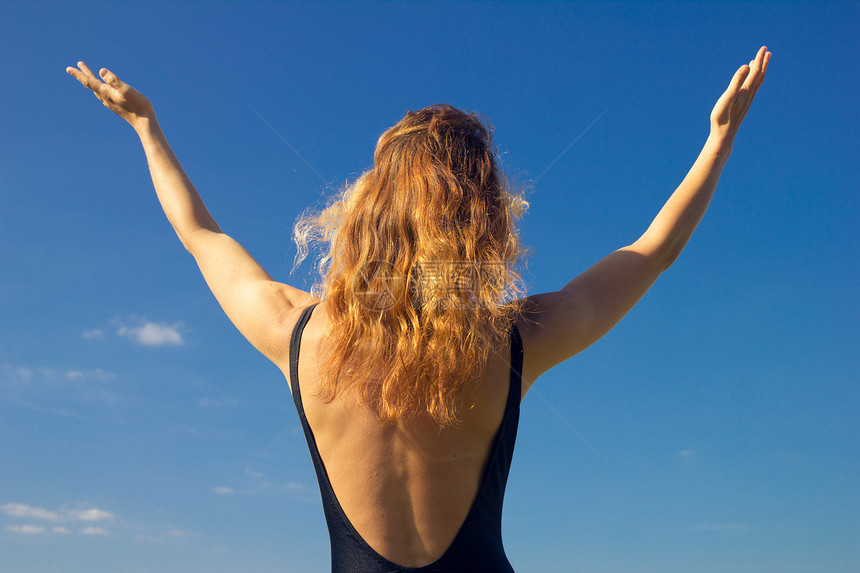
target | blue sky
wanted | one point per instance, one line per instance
(140, 433)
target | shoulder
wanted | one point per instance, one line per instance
(284, 324)
(531, 325)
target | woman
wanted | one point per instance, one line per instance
(408, 371)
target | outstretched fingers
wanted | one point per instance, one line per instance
(732, 106)
(106, 86)
(738, 79)
(85, 69)
(746, 82)
(115, 94)
(86, 76)
(757, 69)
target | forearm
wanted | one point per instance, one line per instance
(178, 197)
(674, 224)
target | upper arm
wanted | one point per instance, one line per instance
(257, 305)
(557, 325)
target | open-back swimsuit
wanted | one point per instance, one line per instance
(477, 546)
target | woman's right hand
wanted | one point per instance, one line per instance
(116, 95)
(733, 105)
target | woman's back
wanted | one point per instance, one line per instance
(407, 488)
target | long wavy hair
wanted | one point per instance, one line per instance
(419, 275)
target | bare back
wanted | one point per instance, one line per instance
(406, 488)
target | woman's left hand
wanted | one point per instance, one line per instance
(116, 95)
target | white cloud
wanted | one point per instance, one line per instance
(94, 531)
(94, 374)
(253, 473)
(26, 529)
(22, 510)
(25, 374)
(94, 334)
(90, 515)
(222, 490)
(41, 388)
(62, 530)
(261, 484)
(42, 375)
(152, 334)
(21, 373)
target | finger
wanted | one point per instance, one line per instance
(738, 79)
(764, 67)
(762, 60)
(752, 78)
(757, 66)
(87, 70)
(87, 81)
(110, 78)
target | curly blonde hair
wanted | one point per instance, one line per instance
(419, 277)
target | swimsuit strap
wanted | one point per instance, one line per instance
(477, 547)
(295, 345)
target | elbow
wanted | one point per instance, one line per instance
(660, 254)
(184, 239)
(189, 240)
(191, 237)
(669, 257)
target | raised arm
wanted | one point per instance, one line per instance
(562, 323)
(255, 303)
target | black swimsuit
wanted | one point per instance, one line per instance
(478, 544)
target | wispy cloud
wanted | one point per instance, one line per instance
(90, 515)
(55, 390)
(23, 375)
(96, 374)
(94, 531)
(94, 334)
(153, 334)
(222, 490)
(26, 529)
(253, 473)
(686, 453)
(27, 511)
(60, 530)
(29, 374)
(86, 517)
(261, 483)
(22, 510)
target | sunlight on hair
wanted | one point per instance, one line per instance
(419, 266)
